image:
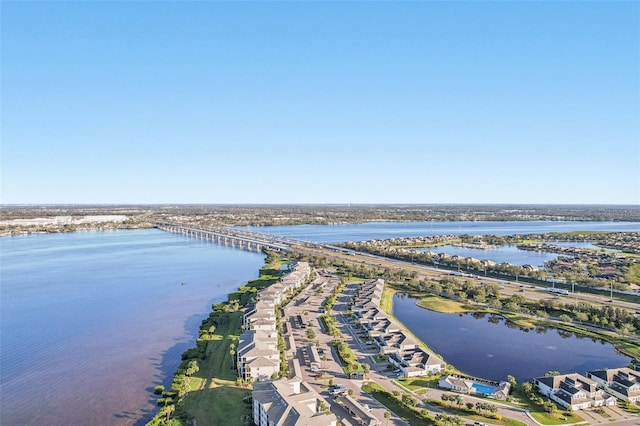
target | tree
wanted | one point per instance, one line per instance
(459, 400)
(322, 406)
(232, 350)
(408, 400)
(387, 416)
(549, 407)
(192, 368)
(632, 274)
(564, 318)
(470, 405)
(444, 397)
(169, 409)
(512, 381)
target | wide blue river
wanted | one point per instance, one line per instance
(91, 321)
(383, 230)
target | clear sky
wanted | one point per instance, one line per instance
(320, 102)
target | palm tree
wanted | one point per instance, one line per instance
(444, 397)
(459, 400)
(169, 409)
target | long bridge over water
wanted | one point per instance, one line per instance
(240, 238)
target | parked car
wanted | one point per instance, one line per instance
(337, 390)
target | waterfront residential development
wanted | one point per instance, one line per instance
(573, 391)
(403, 350)
(623, 383)
(258, 356)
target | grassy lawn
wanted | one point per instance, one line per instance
(519, 320)
(379, 358)
(215, 398)
(221, 405)
(439, 304)
(418, 383)
(386, 301)
(631, 408)
(557, 418)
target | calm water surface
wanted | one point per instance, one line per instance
(510, 254)
(383, 230)
(489, 347)
(91, 321)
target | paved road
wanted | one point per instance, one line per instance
(331, 367)
(511, 286)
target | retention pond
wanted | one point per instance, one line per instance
(488, 346)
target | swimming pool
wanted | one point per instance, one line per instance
(483, 389)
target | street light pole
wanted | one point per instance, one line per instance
(611, 291)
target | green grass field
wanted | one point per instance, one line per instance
(445, 306)
(215, 398)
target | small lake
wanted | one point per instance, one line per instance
(577, 244)
(488, 346)
(510, 254)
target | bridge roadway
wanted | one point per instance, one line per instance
(226, 234)
(256, 241)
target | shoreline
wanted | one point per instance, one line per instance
(386, 303)
(617, 342)
(217, 336)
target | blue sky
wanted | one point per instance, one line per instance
(320, 102)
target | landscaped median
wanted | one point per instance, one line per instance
(405, 410)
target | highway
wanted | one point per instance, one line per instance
(428, 272)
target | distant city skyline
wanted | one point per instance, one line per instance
(320, 102)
